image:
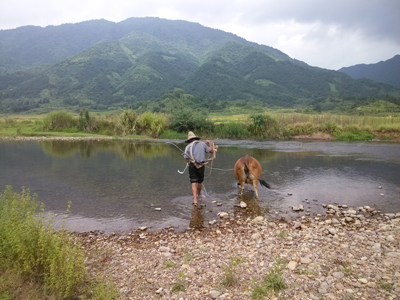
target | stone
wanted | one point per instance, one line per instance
(372, 285)
(212, 222)
(305, 260)
(351, 212)
(258, 219)
(256, 236)
(323, 288)
(339, 286)
(297, 225)
(390, 238)
(214, 294)
(292, 265)
(223, 215)
(243, 204)
(298, 208)
(338, 275)
(157, 208)
(363, 280)
(164, 249)
(332, 231)
(143, 228)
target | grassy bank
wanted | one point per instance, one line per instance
(272, 125)
(36, 262)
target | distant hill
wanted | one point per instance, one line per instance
(102, 65)
(387, 71)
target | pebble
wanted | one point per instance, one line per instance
(243, 204)
(292, 265)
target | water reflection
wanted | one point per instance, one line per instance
(116, 185)
(127, 150)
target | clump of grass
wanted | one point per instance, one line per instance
(273, 282)
(230, 272)
(384, 285)
(31, 249)
(281, 234)
(180, 284)
(169, 264)
(354, 134)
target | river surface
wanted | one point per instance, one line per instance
(118, 185)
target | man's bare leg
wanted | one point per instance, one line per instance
(194, 192)
(199, 190)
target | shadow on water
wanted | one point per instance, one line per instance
(117, 185)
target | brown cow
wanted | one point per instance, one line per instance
(248, 170)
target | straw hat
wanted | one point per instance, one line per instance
(191, 136)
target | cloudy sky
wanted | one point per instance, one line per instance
(324, 33)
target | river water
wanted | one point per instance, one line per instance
(118, 185)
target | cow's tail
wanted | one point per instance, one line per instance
(264, 183)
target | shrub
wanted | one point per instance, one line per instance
(232, 129)
(59, 120)
(30, 247)
(264, 126)
(187, 120)
(152, 123)
(29, 243)
(126, 123)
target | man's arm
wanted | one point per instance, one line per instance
(209, 144)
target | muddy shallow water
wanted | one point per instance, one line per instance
(117, 185)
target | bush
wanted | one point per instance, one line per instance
(29, 243)
(59, 120)
(187, 120)
(30, 247)
(264, 126)
(232, 130)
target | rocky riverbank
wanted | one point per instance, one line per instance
(345, 254)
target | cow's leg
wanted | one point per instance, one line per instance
(241, 187)
(255, 187)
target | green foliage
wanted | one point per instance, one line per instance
(28, 242)
(264, 126)
(231, 130)
(58, 120)
(31, 248)
(186, 120)
(352, 133)
(130, 122)
(107, 68)
(230, 272)
(180, 284)
(273, 282)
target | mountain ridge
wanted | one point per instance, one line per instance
(115, 65)
(387, 71)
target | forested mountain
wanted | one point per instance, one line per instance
(104, 65)
(387, 71)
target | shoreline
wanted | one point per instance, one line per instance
(314, 137)
(345, 254)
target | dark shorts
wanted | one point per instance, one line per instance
(196, 174)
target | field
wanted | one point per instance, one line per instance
(270, 125)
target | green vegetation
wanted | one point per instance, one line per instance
(270, 125)
(230, 272)
(35, 257)
(179, 285)
(272, 283)
(165, 64)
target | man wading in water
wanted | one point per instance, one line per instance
(195, 154)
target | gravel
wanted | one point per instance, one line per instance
(350, 260)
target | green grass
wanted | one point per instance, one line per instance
(180, 284)
(42, 261)
(262, 125)
(272, 283)
(230, 272)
